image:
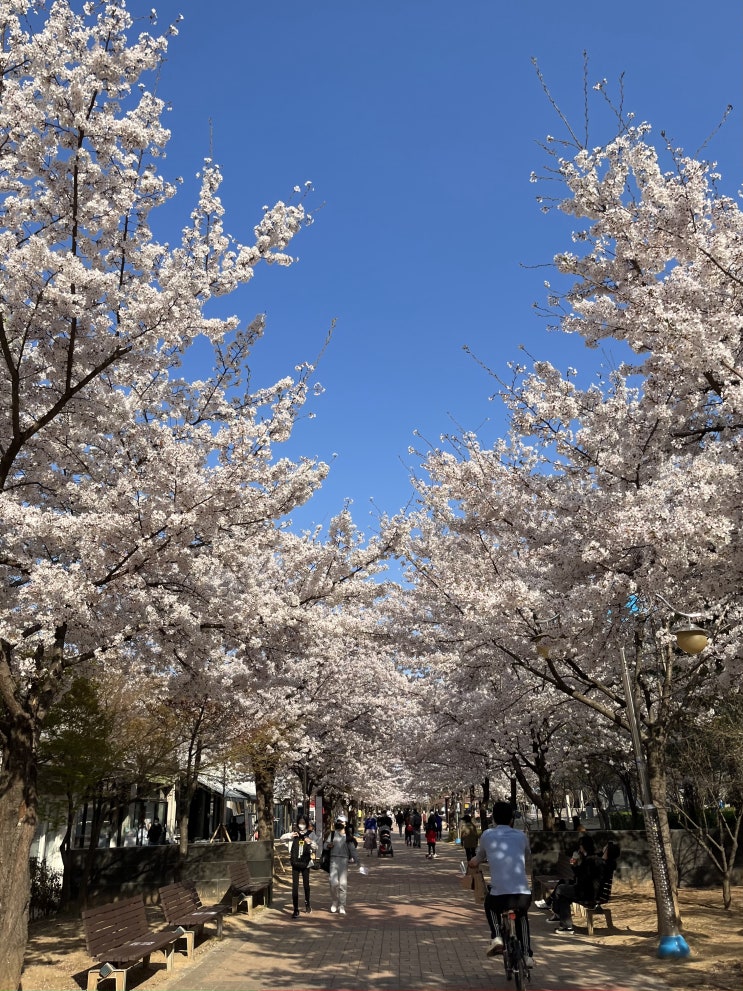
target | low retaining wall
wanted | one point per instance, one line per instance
(119, 872)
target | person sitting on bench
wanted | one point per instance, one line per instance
(591, 874)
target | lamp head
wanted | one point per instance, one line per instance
(542, 644)
(690, 638)
(541, 639)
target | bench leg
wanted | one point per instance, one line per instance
(94, 976)
(220, 922)
(581, 911)
(190, 938)
(169, 952)
(606, 914)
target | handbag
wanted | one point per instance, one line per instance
(479, 887)
(325, 858)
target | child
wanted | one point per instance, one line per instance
(431, 838)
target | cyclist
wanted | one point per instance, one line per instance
(506, 850)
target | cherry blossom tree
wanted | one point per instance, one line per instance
(550, 551)
(319, 679)
(125, 492)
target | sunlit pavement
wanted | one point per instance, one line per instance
(409, 927)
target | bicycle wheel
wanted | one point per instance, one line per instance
(520, 974)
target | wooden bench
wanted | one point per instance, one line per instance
(243, 888)
(592, 912)
(182, 907)
(599, 907)
(118, 936)
(547, 882)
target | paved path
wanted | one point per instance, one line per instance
(409, 927)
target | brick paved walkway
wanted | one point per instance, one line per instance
(409, 927)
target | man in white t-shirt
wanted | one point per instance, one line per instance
(506, 851)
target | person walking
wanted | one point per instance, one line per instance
(304, 845)
(342, 850)
(408, 830)
(431, 837)
(468, 836)
(507, 852)
(370, 840)
(417, 821)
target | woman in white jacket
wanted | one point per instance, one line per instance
(341, 850)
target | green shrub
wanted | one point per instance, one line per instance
(46, 889)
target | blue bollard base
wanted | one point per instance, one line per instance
(673, 946)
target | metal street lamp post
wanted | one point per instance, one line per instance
(692, 639)
(672, 943)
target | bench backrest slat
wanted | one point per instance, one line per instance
(240, 873)
(176, 901)
(605, 893)
(190, 887)
(108, 926)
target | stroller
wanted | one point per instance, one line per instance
(384, 848)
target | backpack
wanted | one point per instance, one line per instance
(298, 859)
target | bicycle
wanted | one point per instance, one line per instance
(513, 954)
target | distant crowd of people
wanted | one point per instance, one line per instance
(411, 822)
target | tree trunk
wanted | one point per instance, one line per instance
(184, 819)
(188, 782)
(604, 817)
(18, 812)
(96, 825)
(64, 851)
(629, 795)
(265, 775)
(727, 892)
(543, 798)
(657, 780)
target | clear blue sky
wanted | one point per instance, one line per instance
(418, 123)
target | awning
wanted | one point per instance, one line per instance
(240, 791)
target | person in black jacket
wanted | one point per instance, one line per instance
(155, 832)
(590, 873)
(417, 821)
(304, 845)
